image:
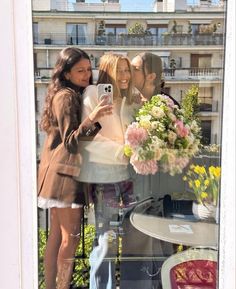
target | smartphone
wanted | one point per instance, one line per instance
(105, 89)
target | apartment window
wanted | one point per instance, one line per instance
(76, 33)
(195, 28)
(165, 61)
(205, 96)
(115, 29)
(36, 99)
(36, 65)
(160, 184)
(37, 134)
(206, 132)
(157, 29)
(201, 60)
(157, 32)
(35, 33)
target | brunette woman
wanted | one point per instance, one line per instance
(61, 161)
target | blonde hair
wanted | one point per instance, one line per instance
(108, 74)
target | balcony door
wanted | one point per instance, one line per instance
(201, 60)
(157, 33)
(76, 33)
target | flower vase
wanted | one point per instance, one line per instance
(205, 211)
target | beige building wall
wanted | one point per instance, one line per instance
(42, 5)
(55, 25)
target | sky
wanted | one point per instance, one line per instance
(138, 5)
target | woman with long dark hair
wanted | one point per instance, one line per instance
(61, 161)
(147, 70)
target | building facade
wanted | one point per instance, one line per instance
(190, 37)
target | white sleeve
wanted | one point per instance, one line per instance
(101, 149)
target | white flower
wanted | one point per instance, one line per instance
(157, 142)
(195, 127)
(172, 136)
(163, 147)
(161, 127)
(145, 121)
(172, 116)
(157, 112)
(154, 124)
(158, 154)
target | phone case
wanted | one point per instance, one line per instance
(105, 89)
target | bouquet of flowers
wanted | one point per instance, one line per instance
(161, 138)
(204, 182)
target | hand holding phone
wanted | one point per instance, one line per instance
(105, 90)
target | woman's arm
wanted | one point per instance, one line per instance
(66, 108)
(102, 149)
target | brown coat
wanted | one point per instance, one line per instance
(60, 159)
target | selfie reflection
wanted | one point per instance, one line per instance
(128, 108)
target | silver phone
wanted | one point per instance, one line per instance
(105, 89)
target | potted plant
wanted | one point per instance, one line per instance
(101, 38)
(136, 33)
(174, 27)
(204, 182)
(166, 37)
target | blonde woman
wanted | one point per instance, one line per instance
(104, 163)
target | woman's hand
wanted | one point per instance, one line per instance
(101, 110)
(137, 97)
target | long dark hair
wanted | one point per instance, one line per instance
(152, 64)
(67, 58)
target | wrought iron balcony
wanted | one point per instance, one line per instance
(179, 74)
(128, 40)
(193, 73)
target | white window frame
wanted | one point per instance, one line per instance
(18, 214)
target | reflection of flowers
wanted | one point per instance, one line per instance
(204, 182)
(161, 138)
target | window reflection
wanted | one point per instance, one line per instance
(196, 48)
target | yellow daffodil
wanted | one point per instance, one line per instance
(196, 169)
(202, 170)
(197, 183)
(217, 172)
(128, 151)
(204, 182)
(204, 195)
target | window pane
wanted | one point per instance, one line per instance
(76, 33)
(157, 193)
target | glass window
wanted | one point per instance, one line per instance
(205, 97)
(206, 132)
(115, 30)
(35, 33)
(151, 193)
(76, 33)
(157, 33)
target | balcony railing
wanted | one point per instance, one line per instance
(178, 74)
(193, 73)
(127, 40)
